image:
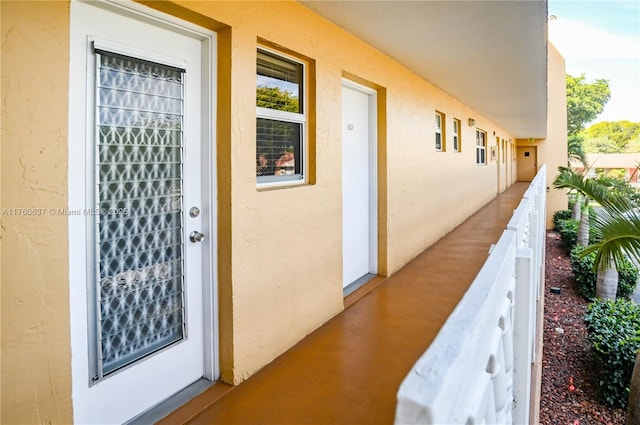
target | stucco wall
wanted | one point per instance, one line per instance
(36, 359)
(280, 258)
(552, 151)
(285, 244)
(555, 150)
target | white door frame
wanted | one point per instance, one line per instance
(499, 169)
(78, 189)
(373, 170)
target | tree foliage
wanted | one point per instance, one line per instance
(584, 101)
(612, 137)
(275, 98)
(575, 148)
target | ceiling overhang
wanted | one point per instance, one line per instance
(490, 55)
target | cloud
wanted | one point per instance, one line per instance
(578, 40)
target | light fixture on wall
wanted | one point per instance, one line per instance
(472, 122)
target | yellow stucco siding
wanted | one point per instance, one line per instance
(36, 355)
(555, 149)
(285, 244)
(552, 151)
(279, 250)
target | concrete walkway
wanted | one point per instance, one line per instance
(348, 371)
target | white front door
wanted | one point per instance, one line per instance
(359, 235)
(140, 212)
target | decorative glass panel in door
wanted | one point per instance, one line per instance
(140, 284)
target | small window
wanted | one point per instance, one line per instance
(440, 144)
(456, 135)
(481, 147)
(281, 118)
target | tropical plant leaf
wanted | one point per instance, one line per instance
(601, 189)
(619, 233)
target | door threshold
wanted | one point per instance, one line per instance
(164, 408)
(361, 287)
(353, 286)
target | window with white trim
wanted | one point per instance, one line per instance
(456, 135)
(481, 147)
(281, 118)
(440, 120)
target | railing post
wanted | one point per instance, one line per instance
(534, 286)
(523, 336)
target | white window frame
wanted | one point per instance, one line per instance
(439, 131)
(291, 117)
(456, 135)
(481, 147)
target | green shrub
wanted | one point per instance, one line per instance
(560, 215)
(583, 271)
(568, 233)
(586, 275)
(568, 230)
(614, 334)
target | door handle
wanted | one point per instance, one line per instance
(196, 237)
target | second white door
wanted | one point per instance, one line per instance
(358, 183)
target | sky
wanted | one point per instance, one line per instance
(601, 39)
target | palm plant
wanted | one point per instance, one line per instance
(577, 155)
(618, 233)
(587, 188)
(618, 228)
(576, 208)
(610, 220)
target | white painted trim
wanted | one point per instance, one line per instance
(373, 169)
(274, 114)
(209, 198)
(145, 13)
(138, 53)
(373, 181)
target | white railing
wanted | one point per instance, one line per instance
(478, 368)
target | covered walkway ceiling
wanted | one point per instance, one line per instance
(491, 55)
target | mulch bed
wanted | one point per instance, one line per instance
(569, 394)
